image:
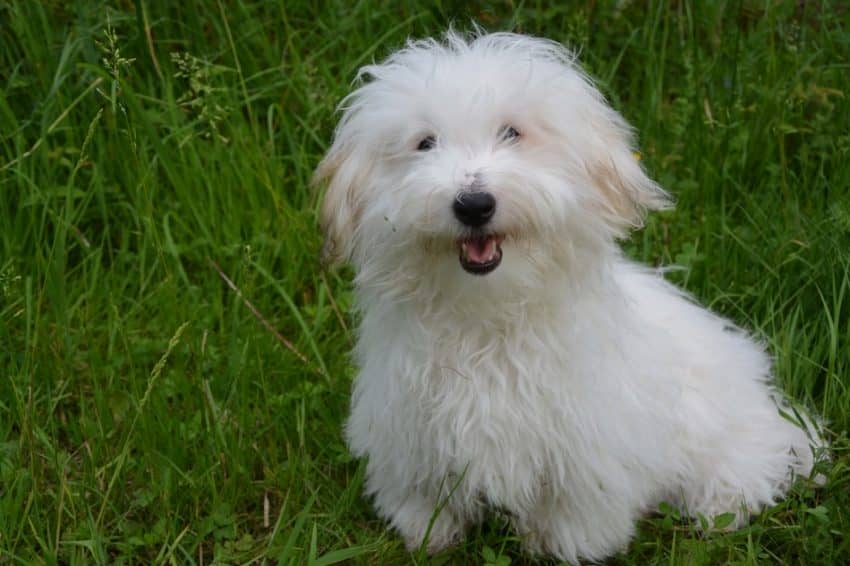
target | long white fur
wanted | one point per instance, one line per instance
(571, 388)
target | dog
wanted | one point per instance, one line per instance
(510, 356)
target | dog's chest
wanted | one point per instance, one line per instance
(494, 421)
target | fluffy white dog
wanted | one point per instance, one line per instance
(509, 356)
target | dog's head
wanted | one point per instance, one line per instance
(478, 151)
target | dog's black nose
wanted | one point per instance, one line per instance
(474, 209)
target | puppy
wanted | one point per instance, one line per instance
(509, 355)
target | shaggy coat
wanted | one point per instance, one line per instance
(569, 387)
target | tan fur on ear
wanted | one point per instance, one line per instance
(627, 192)
(341, 208)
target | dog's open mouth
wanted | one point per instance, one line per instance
(480, 254)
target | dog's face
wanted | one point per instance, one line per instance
(462, 156)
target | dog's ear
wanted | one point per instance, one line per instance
(626, 192)
(341, 207)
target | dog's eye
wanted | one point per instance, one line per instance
(509, 133)
(428, 142)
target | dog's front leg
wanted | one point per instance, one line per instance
(591, 530)
(419, 518)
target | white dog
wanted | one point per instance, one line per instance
(509, 356)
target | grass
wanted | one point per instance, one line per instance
(149, 414)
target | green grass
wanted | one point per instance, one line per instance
(146, 414)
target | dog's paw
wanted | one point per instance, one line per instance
(417, 525)
(444, 534)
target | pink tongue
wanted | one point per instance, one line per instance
(480, 251)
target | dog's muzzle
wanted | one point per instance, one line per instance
(480, 253)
